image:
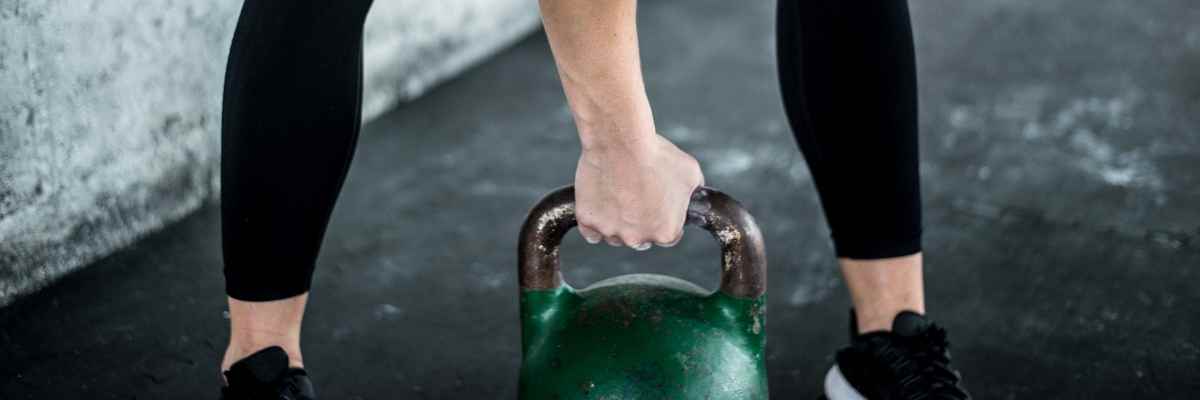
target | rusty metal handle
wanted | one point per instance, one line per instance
(743, 258)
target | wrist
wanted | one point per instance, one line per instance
(610, 117)
(622, 129)
(617, 139)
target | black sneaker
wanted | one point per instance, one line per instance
(265, 375)
(909, 363)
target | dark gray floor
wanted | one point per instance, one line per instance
(1060, 165)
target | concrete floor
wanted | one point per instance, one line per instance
(1061, 146)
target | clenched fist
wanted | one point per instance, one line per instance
(635, 195)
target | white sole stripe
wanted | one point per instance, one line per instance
(838, 388)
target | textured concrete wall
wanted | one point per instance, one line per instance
(110, 111)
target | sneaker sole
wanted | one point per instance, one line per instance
(838, 388)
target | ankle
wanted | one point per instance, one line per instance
(256, 325)
(879, 319)
(882, 288)
(239, 349)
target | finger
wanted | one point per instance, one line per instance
(671, 241)
(635, 241)
(674, 236)
(590, 235)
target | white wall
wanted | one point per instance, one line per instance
(110, 110)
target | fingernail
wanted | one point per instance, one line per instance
(642, 247)
(591, 240)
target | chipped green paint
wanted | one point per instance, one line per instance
(641, 336)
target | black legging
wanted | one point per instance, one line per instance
(848, 75)
(292, 109)
(293, 91)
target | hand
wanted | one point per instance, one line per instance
(635, 194)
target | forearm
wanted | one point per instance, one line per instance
(595, 47)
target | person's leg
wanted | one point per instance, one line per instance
(290, 120)
(880, 289)
(848, 76)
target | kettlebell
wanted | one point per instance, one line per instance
(643, 336)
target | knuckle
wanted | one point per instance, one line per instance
(605, 230)
(631, 237)
(588, 230)
(593, 224)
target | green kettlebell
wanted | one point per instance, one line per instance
(643, 336)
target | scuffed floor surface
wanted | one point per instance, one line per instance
(1061, 166)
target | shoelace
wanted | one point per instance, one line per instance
(922, 364)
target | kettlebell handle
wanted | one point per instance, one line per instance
(743, 258)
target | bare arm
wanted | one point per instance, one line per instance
(596, 49)
(632, 185)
